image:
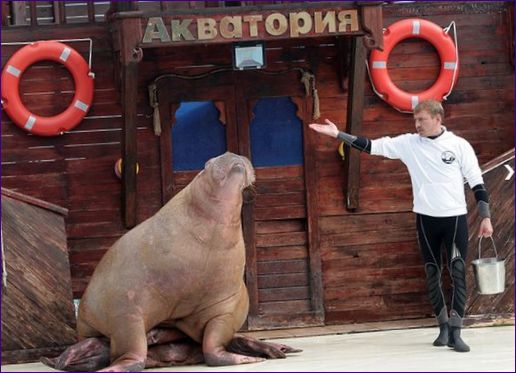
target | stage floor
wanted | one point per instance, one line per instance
(402, 350)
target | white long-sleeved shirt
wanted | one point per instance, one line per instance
(437, 169)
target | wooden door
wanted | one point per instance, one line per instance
(283, 273)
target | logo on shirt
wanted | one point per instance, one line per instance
(447, 157)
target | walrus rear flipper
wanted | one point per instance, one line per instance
(88, 355)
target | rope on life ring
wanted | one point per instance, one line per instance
(448, 53)
(20, 62)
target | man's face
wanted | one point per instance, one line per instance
(426, 125)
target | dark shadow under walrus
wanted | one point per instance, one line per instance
(171, 290)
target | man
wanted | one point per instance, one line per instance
(437, 161)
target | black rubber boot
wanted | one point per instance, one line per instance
(455, 341)
(444, 330)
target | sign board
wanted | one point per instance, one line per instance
(266, 25)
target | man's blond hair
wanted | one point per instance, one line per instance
(432, 107)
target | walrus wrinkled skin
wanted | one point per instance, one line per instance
(179, 273)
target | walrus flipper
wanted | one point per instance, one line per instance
(216, 335)
(128, 347)
(254, 347)
(85, 356)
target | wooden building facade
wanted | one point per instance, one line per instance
(328, 240)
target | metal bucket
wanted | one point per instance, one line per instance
(489, 272)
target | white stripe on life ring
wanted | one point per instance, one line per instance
(379, 64)
(30, 122)
(81, 105)
(65, 54)
(415, 101)
(416, 27)
(13, 71)
(450, 65)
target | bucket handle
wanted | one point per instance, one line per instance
(480, 244)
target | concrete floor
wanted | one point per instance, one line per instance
(405, 350)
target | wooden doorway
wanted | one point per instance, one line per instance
(262, 116)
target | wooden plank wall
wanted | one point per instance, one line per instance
(371, 266)
(37, 310)
(282, 241)
(501, 194)
(75, 170)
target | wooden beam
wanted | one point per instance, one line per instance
(305, 112)
(354, 120)
(248, 207)
(129, 147)
(127, 36)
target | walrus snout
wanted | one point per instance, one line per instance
(244, 165)
(227, 163)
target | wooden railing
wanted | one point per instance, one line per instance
(34, 13)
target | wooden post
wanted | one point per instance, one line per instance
(354, 119)
(19, 13)
(59, 12)
(371, 20)
(129, 143)
(6, 12)
(248, 208)
(33, 13)
(310, 170)
(343, 61)
(91, 11)
(127, 35)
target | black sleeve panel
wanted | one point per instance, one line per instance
(480, 193)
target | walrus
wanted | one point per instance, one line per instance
(175, 277)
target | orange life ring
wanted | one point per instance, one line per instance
(20, 62)
(414, 28)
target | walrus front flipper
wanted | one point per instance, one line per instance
(254, 347)
(217, 334)
(85, 356)
(128, 345)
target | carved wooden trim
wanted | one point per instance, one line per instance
(371, 19)
(221, 107)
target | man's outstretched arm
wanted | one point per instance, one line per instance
(330, 129)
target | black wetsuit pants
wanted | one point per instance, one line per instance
(452, 232)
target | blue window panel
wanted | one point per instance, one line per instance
(276, 133)
(197, 135)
